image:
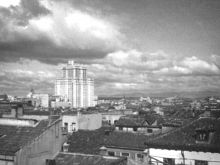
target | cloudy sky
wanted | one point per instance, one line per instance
(129, 46)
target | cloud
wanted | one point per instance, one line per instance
(9, 3)
(198, 65)
(137, 71)
(67, 26)
(25, 74)
(134, 59)
(44, 29)
(123, 51)
(132, 75)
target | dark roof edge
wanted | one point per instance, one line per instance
(126, 148)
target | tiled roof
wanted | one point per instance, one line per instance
(139, 120)
(82, 159)
(127, 140)
(130, 121)
(14, 137)
(3, 97)
(89, 142)
(184, 138)
(182, 114)
(37, 112)
(81, 112)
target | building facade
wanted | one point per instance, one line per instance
(29, 142)
(75, 86)
(78, 121)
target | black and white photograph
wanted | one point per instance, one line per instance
(109, 82)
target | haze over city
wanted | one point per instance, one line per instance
(144, 47)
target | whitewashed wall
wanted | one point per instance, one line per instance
(190, 157)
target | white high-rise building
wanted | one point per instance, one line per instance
(75, 86)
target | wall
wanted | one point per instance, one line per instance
(82, 121)
(190, 157)
(14, 112)
(166, 129)
(46, 146)
(143, 130)
(18, 122)
(111, 117)
(70, 119)
(60, 104)
(6, 161)
(90, 121)
(36, 117)
(44, 99)
(132, 158)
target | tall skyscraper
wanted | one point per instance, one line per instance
(75, 86)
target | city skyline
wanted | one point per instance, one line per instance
(145, 47)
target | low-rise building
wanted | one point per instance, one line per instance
(43, 99)
(64, 158)
(74, 121)
(148, 124)
(107, 142)
(197, 143)
(111, 117)
(11, 109)
(29, 142)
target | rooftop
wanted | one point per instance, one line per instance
(83, 159)
(90, 142)
(127, 140)
(12, 138)
(184, 138)
(73, 113)
(139, 120)
(87, 142)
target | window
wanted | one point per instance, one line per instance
(111, 153)
(84, 73)
(169, 161)
(200, 162)
(125, 154)
(202, 136)
(140, 157)
(77, 73)
(64, 130)
(70, 73)
(135, 129)
(149, 130)
(74, 127)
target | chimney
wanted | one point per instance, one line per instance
(103, 150)
(66, 147)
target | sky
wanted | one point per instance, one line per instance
(141, 47)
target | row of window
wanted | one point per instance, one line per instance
(166, 161)
(170, 161)
(139, 156)
(149, 130)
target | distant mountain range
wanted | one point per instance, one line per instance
(199, 94)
